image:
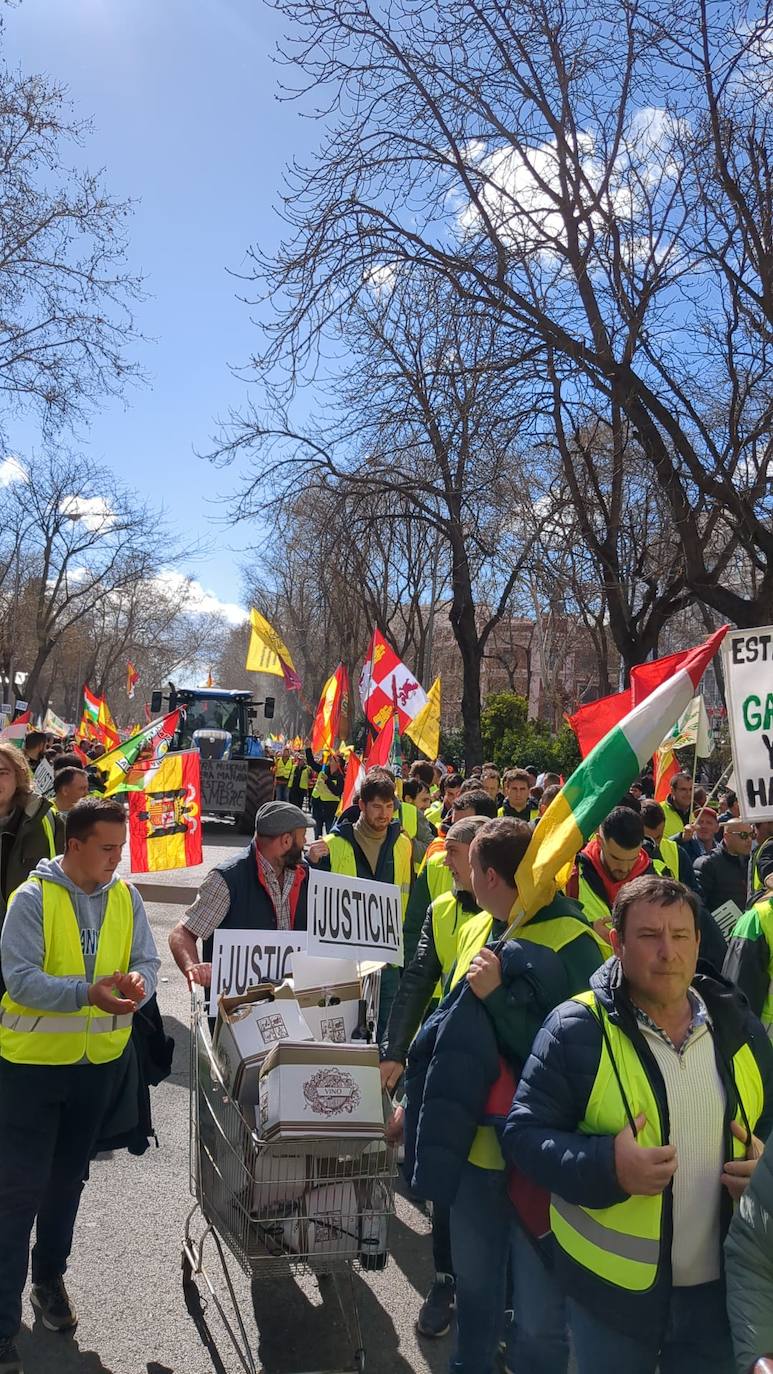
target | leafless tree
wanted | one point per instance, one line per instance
(589, 176)
(422, 430)
(66, 295)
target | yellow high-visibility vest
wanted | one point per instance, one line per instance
(31, 1036)
(623, 1245)
(344, 860)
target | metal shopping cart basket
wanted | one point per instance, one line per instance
(315, 1205)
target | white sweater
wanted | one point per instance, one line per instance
(696, 1107)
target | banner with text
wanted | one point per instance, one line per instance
(354, 918)
(242, 958)
(748, 663)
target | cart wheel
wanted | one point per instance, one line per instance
(359, 1361)
(187, 1269)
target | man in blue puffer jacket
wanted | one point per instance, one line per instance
(639, 1109)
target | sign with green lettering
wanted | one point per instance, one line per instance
(748, 662)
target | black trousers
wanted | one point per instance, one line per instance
(441, 1239)
(49, 1120)
(324, 813)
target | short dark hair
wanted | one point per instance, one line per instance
(729, 798)
(80, 822)
(550, 793)
(452, 780)
(378, 786)
(482, 804)
(681, 777)
(413, 786)
(631, 802)
(64, 776)
(34, 737)
(423, 769)
(652, 814)
(624, 826)
(517, 775)
(552, 780)
(71, 760)
(501, 844)
(658, 891)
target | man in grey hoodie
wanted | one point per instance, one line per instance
(78, 957)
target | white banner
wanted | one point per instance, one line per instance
(242, 958)
(354, 918)
(748, 662)
(44, 778)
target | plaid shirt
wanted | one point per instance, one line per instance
(213, 901)
(700, 1018)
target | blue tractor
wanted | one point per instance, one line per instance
(236, 775)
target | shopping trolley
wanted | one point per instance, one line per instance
(318, 1205)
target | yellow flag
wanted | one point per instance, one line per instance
(266, 650)
(425, 729)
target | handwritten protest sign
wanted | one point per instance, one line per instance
(354, 918)
(748, 664)
(242, 958)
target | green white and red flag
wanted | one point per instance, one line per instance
(601, 779)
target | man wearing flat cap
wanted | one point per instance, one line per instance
(262, 888)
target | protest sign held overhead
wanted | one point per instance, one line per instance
(354, 918)
(748, 664)
(242, 958)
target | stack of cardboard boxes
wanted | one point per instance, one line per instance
(286, 1055)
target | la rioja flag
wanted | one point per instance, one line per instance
(387, 684)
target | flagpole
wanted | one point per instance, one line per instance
(697, 742)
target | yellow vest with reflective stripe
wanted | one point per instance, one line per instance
(439, 879)
(48, 829)
(31, 1036)
(344, 860)
(283, 769)
(409, 818)
(674, 823)
(669, 859)
(448, 920)
(434, 813)
(322, 791)
(623, 1244)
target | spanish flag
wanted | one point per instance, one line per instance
(333, 701)
(132, 678)
(165, 817)
(268, 653)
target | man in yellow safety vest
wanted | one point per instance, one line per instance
(639, 1110)
(78, 958)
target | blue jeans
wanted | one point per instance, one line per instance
(481, 1231)
(696, 1339)
(538, 1341)
(281, 791)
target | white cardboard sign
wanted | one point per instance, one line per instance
(354, 918)
(748, 663)
(242, 958)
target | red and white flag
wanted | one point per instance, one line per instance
(386, 683)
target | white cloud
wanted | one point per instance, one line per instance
(522, 189)
(11, 470)
(194, 597)
(93, 511)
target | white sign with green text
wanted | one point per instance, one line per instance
(748, 663)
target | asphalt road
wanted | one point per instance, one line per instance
(125, 1270)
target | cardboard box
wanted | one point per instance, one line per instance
(278, 1179)
(247, 1027)
(328, 992)
(321, 1090)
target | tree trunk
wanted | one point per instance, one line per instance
(463, 624)
(31, 687)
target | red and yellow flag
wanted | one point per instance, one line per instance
(132, 678)
(165, 817)
(333, 701)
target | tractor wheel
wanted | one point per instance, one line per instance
(260, 789)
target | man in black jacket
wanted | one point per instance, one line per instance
(723, 875)
(639, 1111)
(262, 888)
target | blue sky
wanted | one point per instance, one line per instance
(182, 97)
